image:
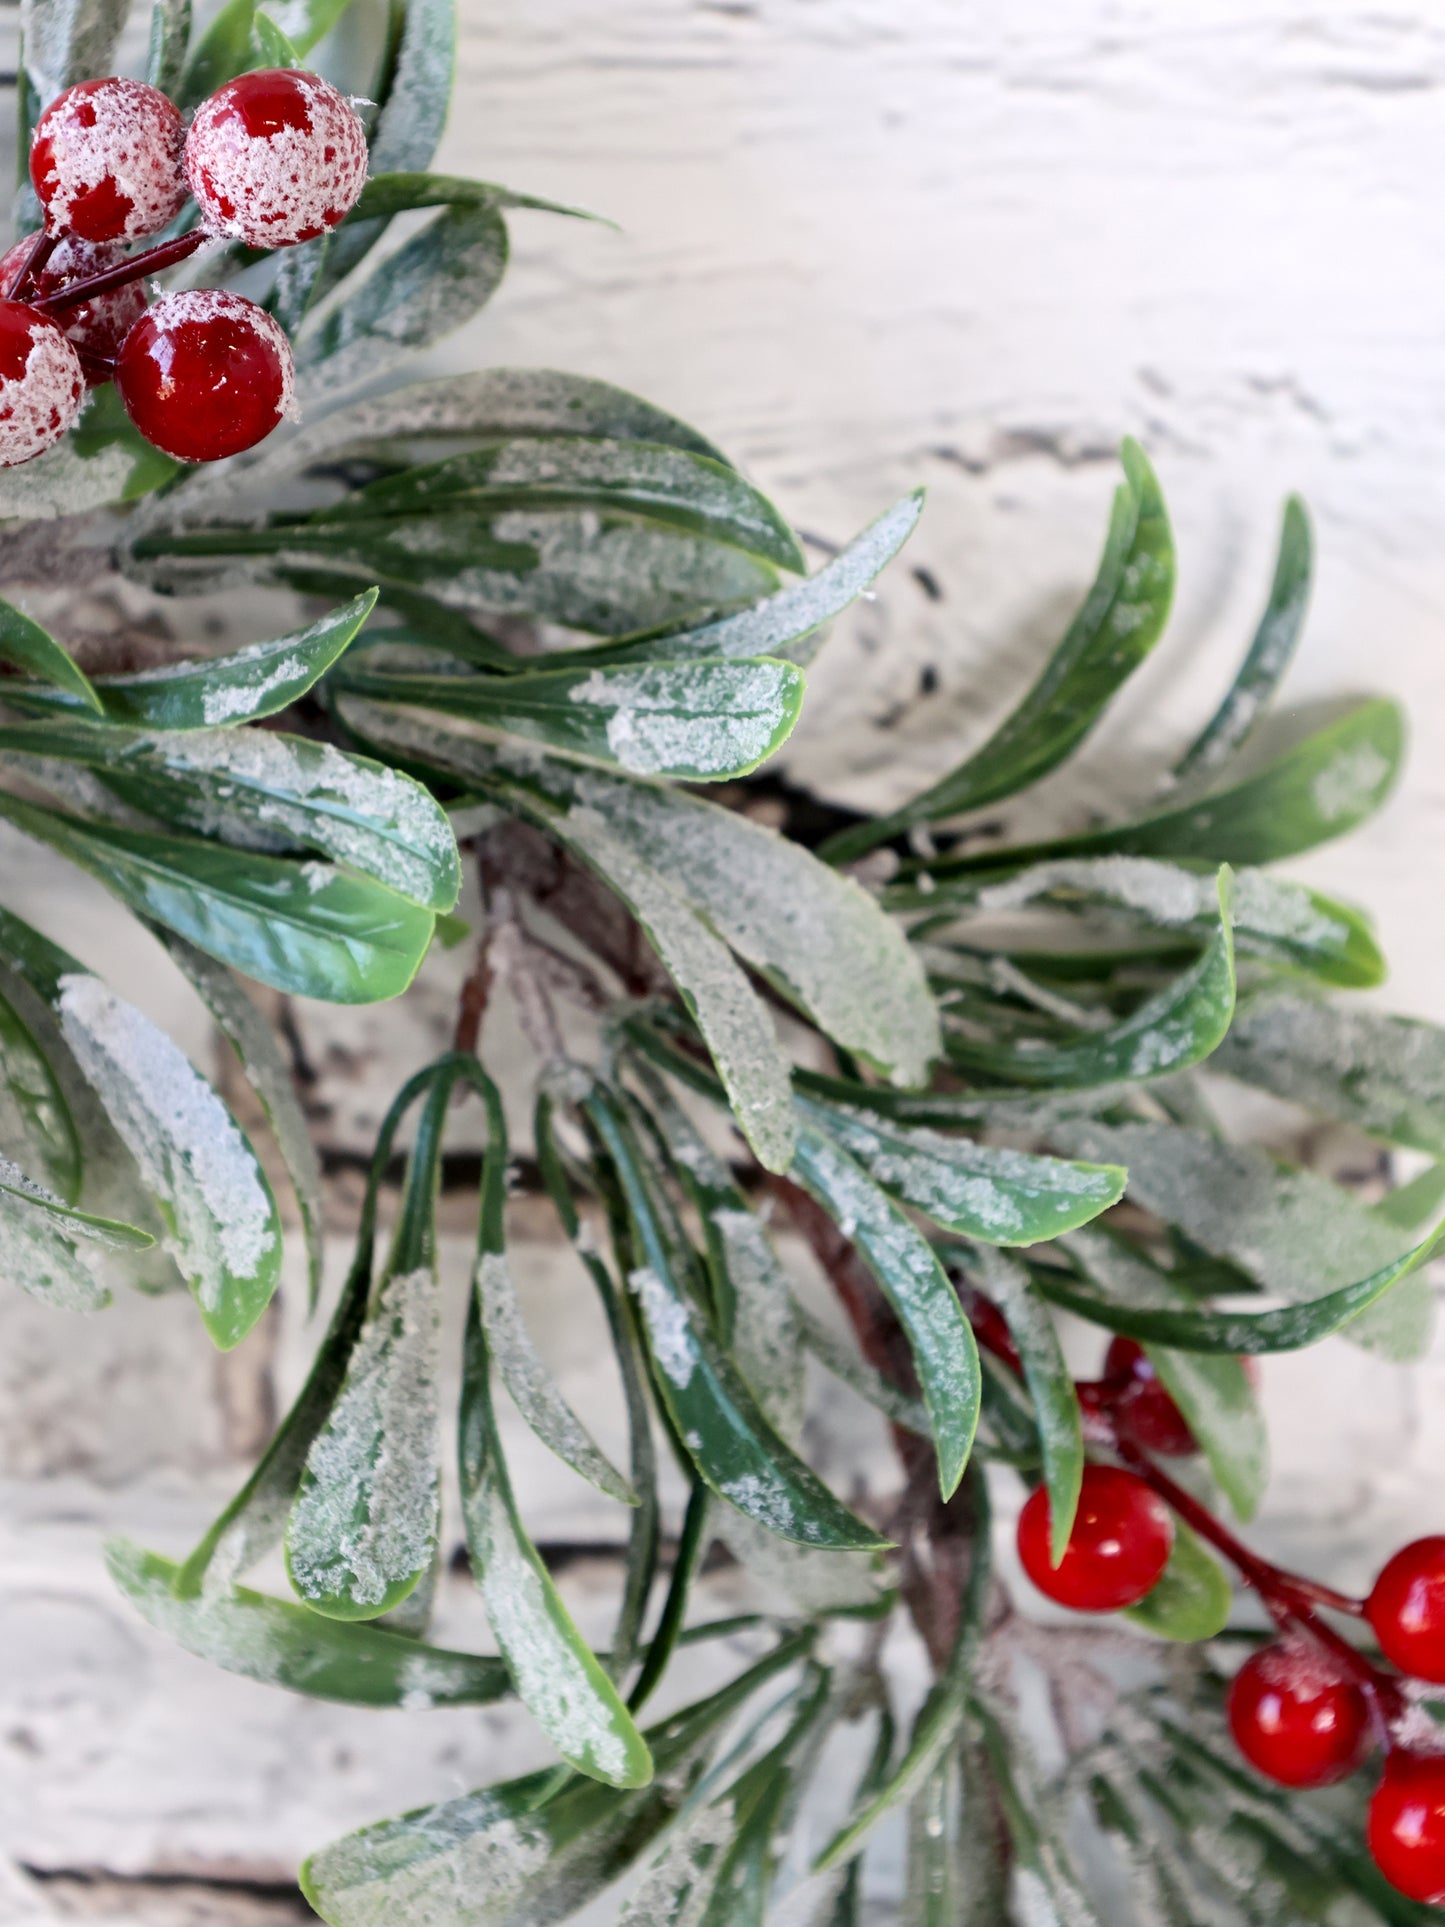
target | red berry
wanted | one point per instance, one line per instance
(1142, 1409)
(96, 327)
(1406, 1828)
(1121, 1541)
(205, 374)
(275, 157)
(106, 161)
(41, 386)
(1407, 1609)
(1294, 1719)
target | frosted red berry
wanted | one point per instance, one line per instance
(1406, 1828)
(275, 157)
(41, 386)
(97, 327)
(105, 159)
(1294, 1719)
(1407, 1609)
(1122, 1537)
(205, 374)
(1142, 1409)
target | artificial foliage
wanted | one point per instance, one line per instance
(985, 1084)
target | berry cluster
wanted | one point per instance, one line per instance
(272, 158)
(1306, 1709)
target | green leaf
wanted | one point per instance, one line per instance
(223, 1227)
(555, 1673)
(363, 1528)
(415, 93)
(1050, 1385)
(1319, 789)
(1385, 1075)
(386, 195)
(944, 1354)
(836, 1355)
(1293, 1232)
(27, 646)
(652, 480)
(283, 1644)
(697, 722)
(20, 1192)
(238, 688)
(1179, 1026)
(1409, 1205)
(272, 46)
(300, 927)
(943, 1711)
(223, 51)
(1192, 1598)
(1042, 1867)
(713, 1413)
(1289, 1329)
(1120, 620)
(65, 43)
(1268, 657)
(434, 282)
(532, 1384)
(985, 1191)
(254, 1043)
(1273, 919)
(37, 1131)
(255, 1519)
(1213, 1392)
(170, 32)
(36, 1256)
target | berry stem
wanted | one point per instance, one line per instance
(153, 261)
(43, 246)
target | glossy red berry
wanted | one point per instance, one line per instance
(205, 374)
(96, 327)
(1142, 1409)
(1406, 1828)
(1294, 1719)
(41, 386)
(106, 161)
(275, 157)
(1407, 1609)
(1121, 1541)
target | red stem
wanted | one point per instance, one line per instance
(124, 272)
(41, 249)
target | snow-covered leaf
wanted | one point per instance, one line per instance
(37, 1131)
(64, 41)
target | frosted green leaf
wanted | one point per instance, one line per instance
(1386, 1075)
(698, 722)
(222, 1224)
(944, 1354)
(35, 1256)
(556, 1675)
(984, 1191)
(679, 1886)
(19, 1190)
(1192, 1598)
(1212, 1391)
(283, 1644)
(27, 646)
(1120, 620)
(69, 40)
(1292, 1231)
(532, 1385)
(1044, 1884)
(254, 1043)
(364, 1524)
(838, 1356)
(37, 1130)
(63, 482)
(217, 690)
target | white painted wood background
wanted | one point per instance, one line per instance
(865, 246)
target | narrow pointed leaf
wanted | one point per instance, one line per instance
(283, 1644)
(20, 1191)
(985, 1191)
(914, 1283)
(1042, 1868)
(39, 1258)
(698, 722)
(300, 927)
(30, 648)
(1120, 620)
(214, 690)
(716, 1417)
(37, 1129)
(385, 195)
(1269, 654)
(654, 481)
(555, 1673)
(1192, 1598)
(1179, 1026)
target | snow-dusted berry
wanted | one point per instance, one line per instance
(205, 374)
(97, 327)
(41, 386)
(1294, 1719)
(106, 161)
(275, 157)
